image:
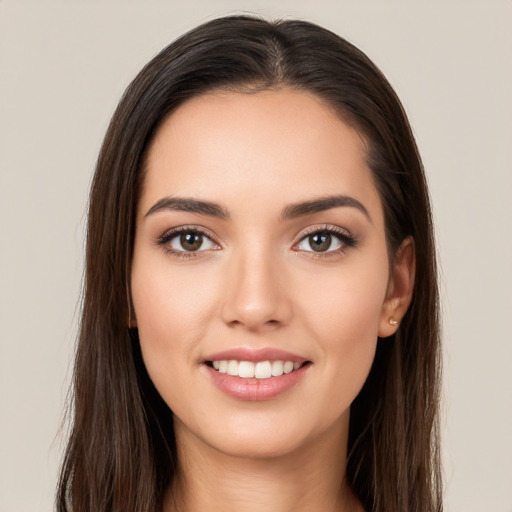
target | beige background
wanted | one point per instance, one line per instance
(64, 65)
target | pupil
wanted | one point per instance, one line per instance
(320, 242)
(191, 241)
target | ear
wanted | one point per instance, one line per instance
(400, 289)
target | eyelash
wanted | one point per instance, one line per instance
(347, 240)
(169, 235)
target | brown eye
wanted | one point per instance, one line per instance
(189, 241)
(326, 240)
(320, 242)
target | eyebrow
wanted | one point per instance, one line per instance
(292, 211)
(186, 204)
(321, 204)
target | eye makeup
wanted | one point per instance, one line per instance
(192, 240)
(188, 242)
(321, 241)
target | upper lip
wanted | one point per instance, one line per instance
(256, 355)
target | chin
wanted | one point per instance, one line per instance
(256, 445)
(263, 435)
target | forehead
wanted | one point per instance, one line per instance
(284, 143)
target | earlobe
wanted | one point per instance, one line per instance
(400, 289)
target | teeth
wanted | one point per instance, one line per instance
(232, 368)
(288, 367)
(260, 370)
(246, 369)
(277, 368)
(263, 370)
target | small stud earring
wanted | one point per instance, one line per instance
(392, 321)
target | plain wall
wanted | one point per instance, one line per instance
(64, 66)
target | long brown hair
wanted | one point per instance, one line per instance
(121, 454)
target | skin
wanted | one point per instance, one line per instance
(258, 283)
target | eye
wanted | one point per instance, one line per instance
(186, 241)
(191, 241)
(326, 241)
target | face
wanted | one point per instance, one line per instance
(260, 278)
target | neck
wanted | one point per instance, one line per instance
(311, 478)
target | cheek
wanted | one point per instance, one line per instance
(173, 312)
(346, 304)
(344, 318)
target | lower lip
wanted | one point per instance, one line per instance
(255, 389)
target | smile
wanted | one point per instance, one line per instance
(252, 370)
(255, 374)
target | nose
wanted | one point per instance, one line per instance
(255, 293)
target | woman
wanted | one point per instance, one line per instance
(260, 319)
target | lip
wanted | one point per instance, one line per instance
(255, 389)
(256, 355)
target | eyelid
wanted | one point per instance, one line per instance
(164, 240)
(344, 236)
(331, 228)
